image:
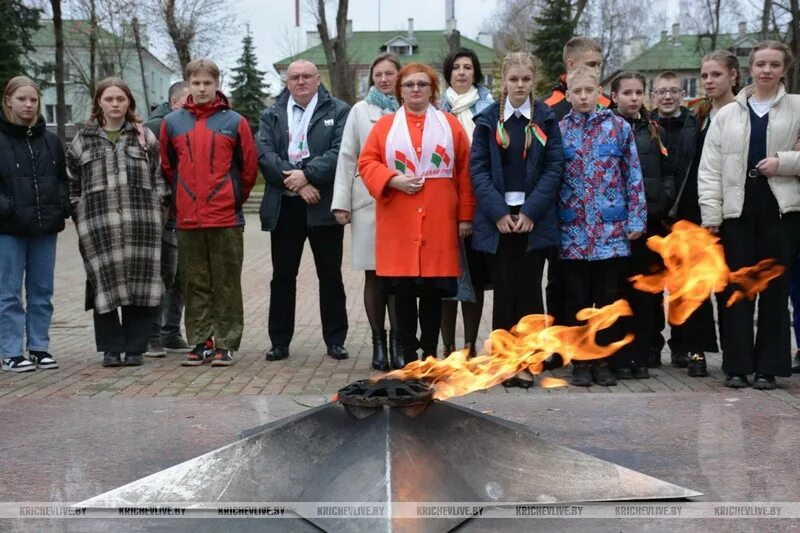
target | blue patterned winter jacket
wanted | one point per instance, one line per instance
(601, 198)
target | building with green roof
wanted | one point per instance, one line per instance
(683, 53)
(429, 46)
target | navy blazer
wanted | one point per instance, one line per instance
(544, 167)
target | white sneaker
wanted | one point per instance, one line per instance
(17, 364)
(42, 360)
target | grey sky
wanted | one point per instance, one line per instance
(272, 21)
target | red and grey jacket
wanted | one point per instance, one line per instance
(209, 158)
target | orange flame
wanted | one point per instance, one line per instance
(695, 268)
(753, 279)
(525, 347)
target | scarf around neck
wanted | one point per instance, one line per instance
(384, 101)
(298, 147)
(438, 153)
(461, 107)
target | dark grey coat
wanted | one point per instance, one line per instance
(324, 137)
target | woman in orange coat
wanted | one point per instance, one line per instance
(416, 164)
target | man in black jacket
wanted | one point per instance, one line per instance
(166, 332)
(298, 145)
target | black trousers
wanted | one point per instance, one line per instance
(698, 333)
(759, 233)
(287, 242)
(429, 315)
(592, 284)
(128, 335)
(517, 280)
(167, 321)
(648, 308)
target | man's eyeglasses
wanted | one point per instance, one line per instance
(419, 84)
(672, 92)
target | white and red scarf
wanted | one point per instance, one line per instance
(438, 154)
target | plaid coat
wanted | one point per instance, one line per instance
(117, 193)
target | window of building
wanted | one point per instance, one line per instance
(50, 114)
(401, 50)
(690, 87)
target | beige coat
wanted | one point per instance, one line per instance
(349, 192)
(723, 165)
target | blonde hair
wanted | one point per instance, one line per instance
(584, 73)
(196, 66)
(579, 44)
(773, 45)
(515, 59)
(15, 83)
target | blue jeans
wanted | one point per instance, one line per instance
(31, 260)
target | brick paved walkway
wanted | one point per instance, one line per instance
(308, 370)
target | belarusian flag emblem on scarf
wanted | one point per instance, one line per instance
(439, 155)
(401, 163)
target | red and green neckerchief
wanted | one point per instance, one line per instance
(531, 130)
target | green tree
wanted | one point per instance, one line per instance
(556, 26)
(248, 84)
(18, 22)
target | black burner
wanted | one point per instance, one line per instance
(389, 392)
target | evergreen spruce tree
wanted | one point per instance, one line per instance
(18, 22)
(248, 91)
(555, 28)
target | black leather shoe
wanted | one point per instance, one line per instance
(112, 359)
(518, 382)
(601, 373)
(764, 382)
(796, 363)
(396, 359)
(276, 353)
(639, 372)
(337, 352)
(380, 361)
(736, 381)
(133, 359)
(581, 374)
(680, 359)
(448, 349)
(697, 365)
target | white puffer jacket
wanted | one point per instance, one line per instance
(723, 165)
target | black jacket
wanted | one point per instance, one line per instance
(34, 190)
(324, 137)
(157, 117)
(680, 136)
(658, 174)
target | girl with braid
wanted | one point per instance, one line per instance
(516, 164)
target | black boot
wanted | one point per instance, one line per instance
(379, 359)
(395, 350)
